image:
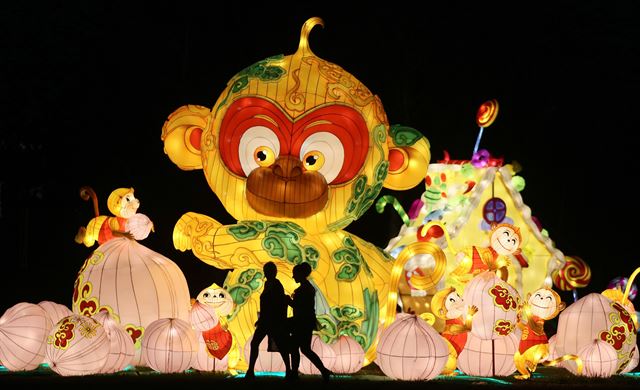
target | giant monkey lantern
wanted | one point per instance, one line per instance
(296, 148)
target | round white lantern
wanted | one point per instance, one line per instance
(324, 352)
(595, 317)
(599, 359)
(134, 282)
(349, 355)
(121, 349)
(56, 311)
(77, 345)
(267, 361)
(139, 225)
(169, 345)
(410, 349)
(23, 331)
(203, 317)
(497, 304)
(493, 357)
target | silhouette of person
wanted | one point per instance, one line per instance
(271, 320)
(304, 322)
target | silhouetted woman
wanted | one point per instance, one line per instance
(271, 319)
(304, 321)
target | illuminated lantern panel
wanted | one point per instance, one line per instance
(552, 348)
(599, 359)
(204, 361)
(77, 345)
(139, 225)
(497, 304)
(349, 355)
(410, 349)
(595, 317)
(489, 357)
(23, 331)
(121, 349)
(633, 363)
(324, 351)
(203, 317)
(56, 311)
(267, 361)
(169, 345)
(133, 282)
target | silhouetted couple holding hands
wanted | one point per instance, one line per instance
(289, 336)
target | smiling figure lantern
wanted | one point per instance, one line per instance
(296, 148)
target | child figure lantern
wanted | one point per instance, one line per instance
(296, 148)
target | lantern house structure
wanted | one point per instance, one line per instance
(467, 200)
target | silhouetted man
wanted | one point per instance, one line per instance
(304, 322)
(271, 319)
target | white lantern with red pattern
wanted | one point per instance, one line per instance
(497, 303)
(595, 317)
(77, 345)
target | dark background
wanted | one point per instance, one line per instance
(86, 88)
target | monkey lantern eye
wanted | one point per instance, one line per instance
(264, 156)
(313, 161)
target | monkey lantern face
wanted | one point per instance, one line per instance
(544, 304)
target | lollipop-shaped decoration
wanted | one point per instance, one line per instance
(621, 283)
(575, 274)
(487, 113)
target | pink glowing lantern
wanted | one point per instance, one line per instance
(493, 357)
(267, 361)
(121, 349)
(497, 304)
(599, 358)
(56, 311)
(324, 351)
(77, 345)
(139, 225)
(633, 362)
(595, 317)
(203, 317)
(133, 282)
(552, 348)
(24, 328)
(349, 355)
(410, 349)
(204, 361)
(169, 345)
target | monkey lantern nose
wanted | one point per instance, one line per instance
(287, 167)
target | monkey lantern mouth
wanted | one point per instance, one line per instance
(286, 190)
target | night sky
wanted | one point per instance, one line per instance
(85, 90)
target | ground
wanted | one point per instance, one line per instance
(369, 377)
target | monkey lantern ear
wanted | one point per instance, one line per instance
(409, 157)
(182, 133)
